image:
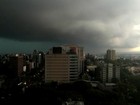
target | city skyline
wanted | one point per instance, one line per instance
(96, 25)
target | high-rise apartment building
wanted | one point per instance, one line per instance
(116, 72)
(111, 54)
(64, 63)
(109, 73)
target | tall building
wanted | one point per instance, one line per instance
(16, 65)
(116, 72)
(107, 72)
(38, 58)
(111, 54)
(64, 63)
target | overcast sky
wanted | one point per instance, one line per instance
(95, 25)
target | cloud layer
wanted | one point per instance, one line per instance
(94, 24)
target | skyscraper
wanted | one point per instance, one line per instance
(64, 63)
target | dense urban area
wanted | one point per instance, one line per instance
(65, 75)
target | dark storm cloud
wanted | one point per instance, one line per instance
(92, 23)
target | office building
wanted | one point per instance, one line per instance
(64, 63)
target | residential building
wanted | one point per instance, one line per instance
(116, 72)
(111, 54)
(109, 73)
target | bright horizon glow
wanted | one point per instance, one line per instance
(136, 49)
